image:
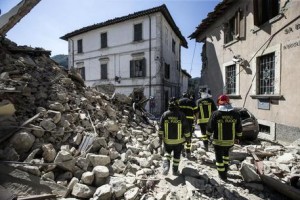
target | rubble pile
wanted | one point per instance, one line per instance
(69, 134)
(89, 143)
(274, 174)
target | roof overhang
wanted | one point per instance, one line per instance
(211, 18)
(163, 9)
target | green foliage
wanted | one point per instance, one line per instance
(61, 59)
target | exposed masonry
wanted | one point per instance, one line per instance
(84, 143)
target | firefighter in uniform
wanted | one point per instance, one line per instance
(173, 131)
(205, 107)
(226, 127)
(188, 107)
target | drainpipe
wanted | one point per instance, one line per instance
(161, 68)
(179, 66)
(150, 61)
(72, 53)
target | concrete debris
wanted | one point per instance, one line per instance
(89, 143)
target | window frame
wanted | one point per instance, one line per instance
(80, 46)
(262, 9)
(237, 79)
(102, 67)
(138, 71)
(277, 89)
(266, 79)
(103, 40)
(173, 45)
(231, 72)
(167, 71)
(138, 32)
(232, 28)
(81, 69)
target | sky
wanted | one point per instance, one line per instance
(50, 19)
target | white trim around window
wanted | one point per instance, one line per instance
(254, 63)
(237, 76)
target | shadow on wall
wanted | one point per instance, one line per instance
(213, 75)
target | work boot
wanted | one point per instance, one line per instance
(226, 167)
(166, 167)
(188, 155)
(223, 176)
(176, 172)
(206, 146)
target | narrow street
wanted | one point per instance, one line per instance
(199, 178)
(81, 132)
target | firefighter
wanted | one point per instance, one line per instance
(205, 107)
(188, 107)
(173, 132)
(226, 127)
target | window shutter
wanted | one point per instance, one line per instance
(144, 67)
(104, 71)
(103, 40)
(83, 73)
(138, 32)
(131, 68)
(242, 25)
(255, 12)
(79, 46)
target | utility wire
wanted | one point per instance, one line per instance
(193, 57)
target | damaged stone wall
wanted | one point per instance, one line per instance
(68, 134)
(88, 143)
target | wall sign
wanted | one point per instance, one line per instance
(264, 104)
(291, 45)
(290, 29)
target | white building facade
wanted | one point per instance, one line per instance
(251, 53)
(139, 54)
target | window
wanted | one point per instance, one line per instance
(82, 72)
(266, 66)
(264, 129)
(167, 71)
(79, 46)
(80, 69)
(138, 30)
(232, 28)
(138, 95)
(173, 45)
(230, 79)
(264, 10)
(138, 68)
(103, 40)
(104, 71)
(166, 99)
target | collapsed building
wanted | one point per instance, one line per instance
(60, 139)
(74, 141)
(48, 110)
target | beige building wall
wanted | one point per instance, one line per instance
(280, 35)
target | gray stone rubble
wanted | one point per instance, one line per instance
(102, 151)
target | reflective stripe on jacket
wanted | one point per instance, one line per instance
(188, 107)
(225, 127)
(173, 127)
(205, 107)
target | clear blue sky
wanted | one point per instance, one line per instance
(51, 19)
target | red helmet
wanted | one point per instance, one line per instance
(223, 100)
